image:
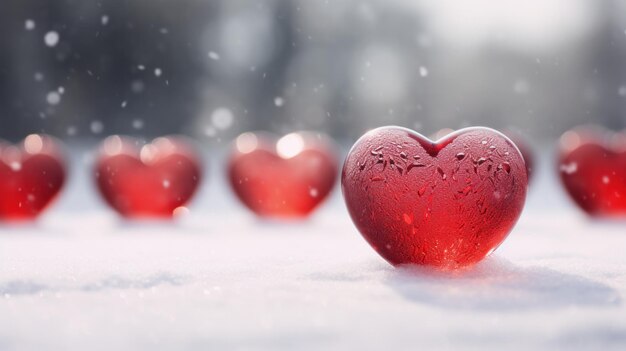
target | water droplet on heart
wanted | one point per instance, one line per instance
(460, 156)
(403, 155)
(442, 173)
(413, 165)
(421, 191)
(466, 190)
(484, 142)
(407, 218)
(481, 160)
(507, 167)
(313, 192)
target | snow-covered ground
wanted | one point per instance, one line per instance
(82, 279)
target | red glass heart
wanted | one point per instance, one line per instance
(152, 181)
(31, 176)
(289, 177)
(592, 167)
(446, 204)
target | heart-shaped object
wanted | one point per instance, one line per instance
(592, 167)
(152, 181)
(288, 177)
(31, 176)
(445, 203)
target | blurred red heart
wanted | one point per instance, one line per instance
(592, 166)
(285, 178)
(31, 176)
(446, 204)
(152, 181)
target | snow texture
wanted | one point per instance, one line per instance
(81, 278)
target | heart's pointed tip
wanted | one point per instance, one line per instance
(287, 176)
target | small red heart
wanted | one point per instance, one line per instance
(592, 166)
(447, 203)
(31, 176)
(152, 181)
(285, 178)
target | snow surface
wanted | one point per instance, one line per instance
(83, 279)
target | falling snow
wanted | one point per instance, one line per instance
(521, 86)
(137, 86)
(222, 118)
(279, 101)
(423, 71)
(210, 131)
(51, 39)
(214, 55)
(29, 24)
(137, 123)
(53, 98)
(96, 127)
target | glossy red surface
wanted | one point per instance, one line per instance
(592, 168)
(524, 147)
(31, 175)
(288, 177)
(446, 204)
(149, 182)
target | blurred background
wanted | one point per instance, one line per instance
(84, 69)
